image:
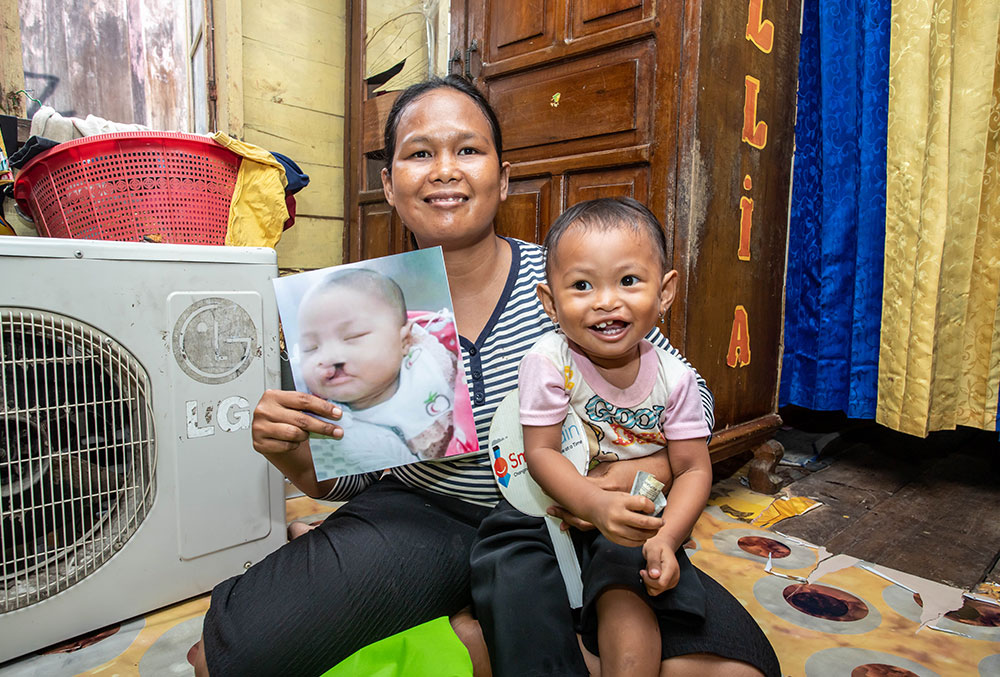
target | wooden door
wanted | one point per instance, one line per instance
(586, 94)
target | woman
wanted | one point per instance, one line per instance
(397, 554)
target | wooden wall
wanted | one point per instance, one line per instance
(279, 80)
(122, 60)
(11, 68)
(280, 69)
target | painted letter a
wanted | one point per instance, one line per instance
(739, 339)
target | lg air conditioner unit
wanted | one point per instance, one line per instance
(127, 476)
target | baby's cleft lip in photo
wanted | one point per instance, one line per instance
(336, 376)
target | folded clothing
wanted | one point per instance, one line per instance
(32, 147)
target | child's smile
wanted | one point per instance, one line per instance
(611, 328)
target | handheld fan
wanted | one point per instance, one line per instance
(522, 492)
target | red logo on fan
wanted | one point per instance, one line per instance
(500, 467)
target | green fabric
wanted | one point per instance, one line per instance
(428, 650)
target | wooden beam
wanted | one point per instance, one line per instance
(11, 65)
(227, 46)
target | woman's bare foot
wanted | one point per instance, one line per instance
(196, 657)
(468, 631)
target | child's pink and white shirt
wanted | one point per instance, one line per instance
(663, 403)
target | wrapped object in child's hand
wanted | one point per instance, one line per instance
(650, 487)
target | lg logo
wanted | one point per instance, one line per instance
(230, 414)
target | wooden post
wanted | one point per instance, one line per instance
(227, 23)
(11, 65)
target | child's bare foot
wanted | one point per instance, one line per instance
(296, 529)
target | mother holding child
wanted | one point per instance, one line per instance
(398, 552)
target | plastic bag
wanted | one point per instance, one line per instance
(428, 650)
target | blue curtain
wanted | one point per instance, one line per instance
(837, 224)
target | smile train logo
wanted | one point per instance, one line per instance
(500, 467)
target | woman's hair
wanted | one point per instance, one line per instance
(414, 92)
(607, 213)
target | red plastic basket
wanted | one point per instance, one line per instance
(129, 185)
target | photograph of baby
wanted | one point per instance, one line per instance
(378, 339)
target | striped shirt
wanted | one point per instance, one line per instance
(491, 363)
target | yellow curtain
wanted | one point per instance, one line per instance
(939, 358)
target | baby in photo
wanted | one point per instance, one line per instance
(359, 348)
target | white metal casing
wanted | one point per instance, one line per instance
(180, 310)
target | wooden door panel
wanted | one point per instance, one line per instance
(527, 212)
(584, 105)
(517, 28)
(622, 182)
(549, 111)
(382, 235)
(593, 16)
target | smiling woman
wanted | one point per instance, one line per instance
(446, 178)
(397, 553)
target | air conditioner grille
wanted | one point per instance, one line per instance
(77, 452)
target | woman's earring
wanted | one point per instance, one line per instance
(661, 318)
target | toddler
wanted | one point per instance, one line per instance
(608, 283)
(359, 349)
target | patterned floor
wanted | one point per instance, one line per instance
(855, 620)
(852, 621)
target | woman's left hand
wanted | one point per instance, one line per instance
(569, 519)
(619, 475)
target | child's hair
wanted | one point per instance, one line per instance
(607, 213)
(415, 91)
(365, 280)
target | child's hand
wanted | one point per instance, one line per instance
(624, 519)
(568, 519)
(662, 571)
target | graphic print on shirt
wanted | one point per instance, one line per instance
(626, 437)
(631, 426)
(568, 377)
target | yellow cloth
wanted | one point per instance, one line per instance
(939, 360)
(5, 228)
(257, 213)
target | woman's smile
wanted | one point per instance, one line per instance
(446, 199)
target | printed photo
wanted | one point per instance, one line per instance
(378, 339)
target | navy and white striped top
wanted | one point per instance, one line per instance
(491, 363)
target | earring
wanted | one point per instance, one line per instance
(661, 318)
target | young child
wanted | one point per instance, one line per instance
(608, 283)
(359, 349)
